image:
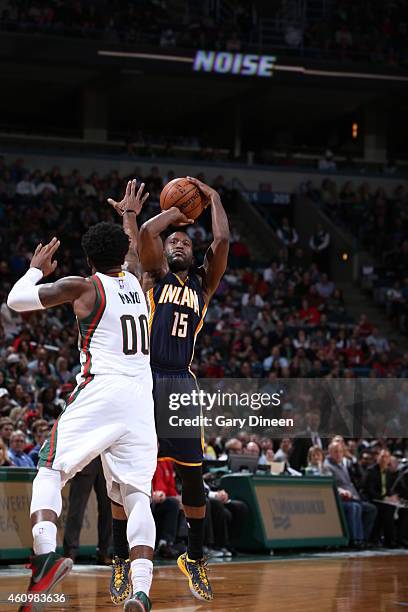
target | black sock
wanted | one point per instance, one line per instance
(195, 538)
(120, 543)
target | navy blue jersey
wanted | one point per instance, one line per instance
(177, 311)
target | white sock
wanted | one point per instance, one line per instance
(45, 537)
(142, 575)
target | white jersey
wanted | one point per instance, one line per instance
(114, 338)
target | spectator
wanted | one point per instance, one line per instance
(5, 405)
(225, 518)
(40, 430)
(287, 235)
(4, 457)
(166, 507)
(380, 343)
(315, 463)
(16, 451)
(232, 447)
(283, 453)
(377, 488)
(26, 187)
(304, 440)
(6, 429)
(320, 245)
(324, 287)
(360, 515)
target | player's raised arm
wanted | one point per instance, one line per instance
(216, 257)
(26, 295)
(130, 208)
(151, 250)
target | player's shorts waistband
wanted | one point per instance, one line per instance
(170, 371)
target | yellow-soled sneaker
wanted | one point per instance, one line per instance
(120, 586)
(196, 572)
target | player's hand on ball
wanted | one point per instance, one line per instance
(132, 200)
(42, 258)
(208, 192)
(178, 218)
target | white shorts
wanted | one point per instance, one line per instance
(111, 416)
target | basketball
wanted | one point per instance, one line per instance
(183, 194)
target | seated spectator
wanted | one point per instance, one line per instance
(6, 429)
(364, 328)
(315, 463)
(5, 403)
(25, 187)
(360, 515)
(233, 446)
(377, 489)
(309, 314)
(284, 450)
(224, 520)
(16, 451)
(324, 287)
(4, 457)
(304, 440)
(40, 430)
(166, 507)
(379, 342)
(253, 448)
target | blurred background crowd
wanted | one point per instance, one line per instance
(359, 31)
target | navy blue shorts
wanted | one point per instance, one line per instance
(186, 447)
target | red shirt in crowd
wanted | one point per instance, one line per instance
(163, 479)
(311, 315)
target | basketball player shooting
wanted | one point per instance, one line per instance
(178, 302)
(110, 413)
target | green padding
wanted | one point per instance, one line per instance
(249, 489)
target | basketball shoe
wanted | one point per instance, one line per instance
(47, 571)
(196, 572)
(120, 587)
(139, 602)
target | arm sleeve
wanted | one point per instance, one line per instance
(24, 296)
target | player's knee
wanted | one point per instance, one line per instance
(141, 528)
(47, 491)
(193, 493)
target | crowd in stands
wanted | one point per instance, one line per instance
(365, 31)
(378, 218)
(374, 31)
(281, 320)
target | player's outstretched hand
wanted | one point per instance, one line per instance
(132, 200)
(42, 258)
(178, 218)
(208, 192)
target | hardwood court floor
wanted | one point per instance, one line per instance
(354, 584)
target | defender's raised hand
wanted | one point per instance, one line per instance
(42, 258)
(132, 201)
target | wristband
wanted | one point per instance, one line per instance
(129, 212)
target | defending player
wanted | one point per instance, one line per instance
(178, 302)
(111, 410)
